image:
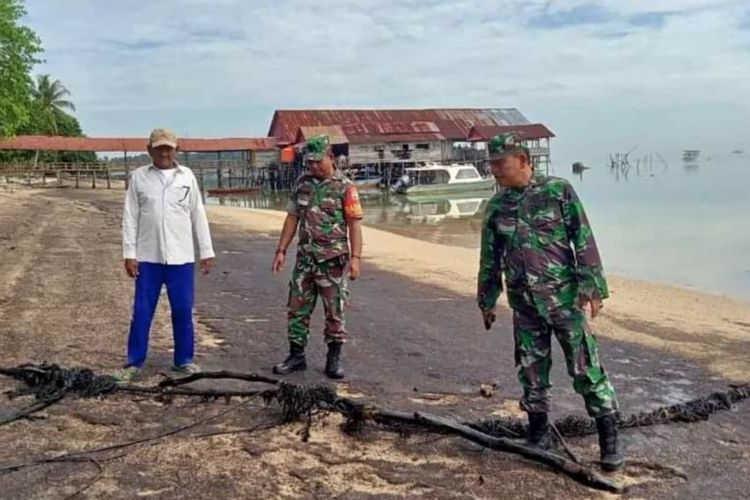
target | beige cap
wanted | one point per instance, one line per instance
(162, 137)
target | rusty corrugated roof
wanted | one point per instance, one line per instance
(109, 144)
(453, 124)
(391, 128)
(334, 132)
(368, 133)
(527, 132)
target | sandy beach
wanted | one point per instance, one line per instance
(418, 345)
(701, 326)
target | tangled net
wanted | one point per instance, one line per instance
(695, 410)
(50, 381)
(300, 401)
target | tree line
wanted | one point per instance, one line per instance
(31, 104)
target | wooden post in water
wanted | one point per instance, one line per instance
(58, 173)
(221, 166)
(93, 179)
(247, 166)
(109, 180)
(78, 178)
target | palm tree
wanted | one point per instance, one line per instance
(50, 97)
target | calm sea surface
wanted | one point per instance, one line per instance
(669, 221)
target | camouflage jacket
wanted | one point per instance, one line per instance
(540, 238)
(323, 207)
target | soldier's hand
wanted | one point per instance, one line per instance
(355, 266)
(131, 267)
(488, 317)
(278, 263)
(595, 305)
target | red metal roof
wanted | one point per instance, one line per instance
(453, 124)
(102, 144)
(335, 134)
(527, 132)
(391, 128)
(368, 133)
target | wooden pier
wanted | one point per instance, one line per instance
(62, 173)
(218, 175)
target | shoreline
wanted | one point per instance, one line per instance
(701, 326)
(709, 329)
(64, 298)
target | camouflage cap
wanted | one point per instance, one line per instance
(316, 148)
(506, 144)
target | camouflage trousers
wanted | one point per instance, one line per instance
(311, 279)
(533, 336)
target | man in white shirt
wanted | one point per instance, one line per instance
(163, 209)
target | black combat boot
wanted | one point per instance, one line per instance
(612, 459)
(333, 361)
(295, 362)
(539, 431)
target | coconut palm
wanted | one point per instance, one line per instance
(50, 99)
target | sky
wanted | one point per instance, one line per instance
(604, 75)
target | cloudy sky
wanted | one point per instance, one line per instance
(604, 75)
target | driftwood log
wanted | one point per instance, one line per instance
(215, 375)
(576, 471)
(583, 475)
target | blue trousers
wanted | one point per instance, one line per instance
(180, 290)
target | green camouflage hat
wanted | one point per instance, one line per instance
(316, 148)
(506, 144)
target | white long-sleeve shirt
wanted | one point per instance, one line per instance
(161, 215)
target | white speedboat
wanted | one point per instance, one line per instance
(433, 178)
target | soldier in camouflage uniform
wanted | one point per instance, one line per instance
(326, 208)
(535, 232)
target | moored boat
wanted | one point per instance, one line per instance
(436, 178)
